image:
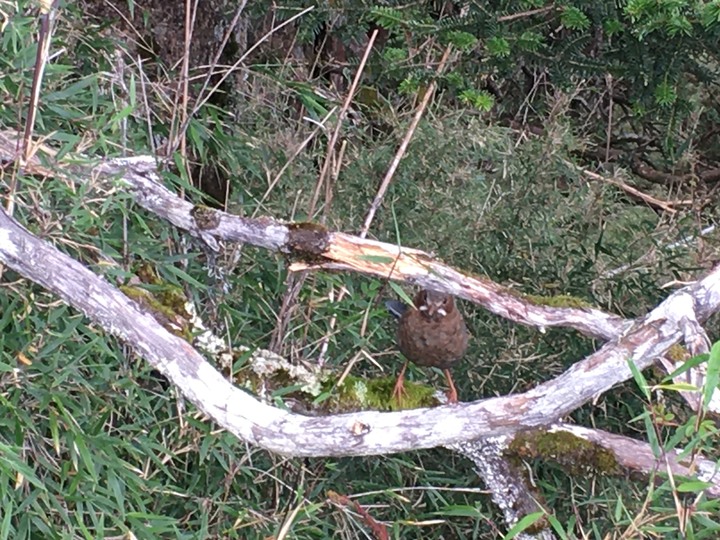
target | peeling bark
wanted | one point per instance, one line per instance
(363, 433)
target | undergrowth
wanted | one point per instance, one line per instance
(94, 443)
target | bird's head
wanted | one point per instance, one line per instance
(434, 305)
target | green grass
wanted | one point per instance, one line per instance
(92, 441)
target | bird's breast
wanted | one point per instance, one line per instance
(437, 343)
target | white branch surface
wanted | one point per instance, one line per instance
(362, 433)
(508, 486)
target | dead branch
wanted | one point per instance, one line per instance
(638, 456)
(362, 433)
(339, 251)
(508, 485)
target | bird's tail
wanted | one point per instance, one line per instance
(396, 307)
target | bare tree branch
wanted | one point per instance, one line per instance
(638, 456)
(508, 486)
(362, 433)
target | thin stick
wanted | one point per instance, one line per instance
(292, 292)
(402, 149)
(386, 182)
(667, 206)
(47, 17)
(341, 117)
(524, 14)
(608, 139)
(178, 137)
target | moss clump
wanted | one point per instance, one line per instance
(561, 300)
(205, 217)
(173, 320)
(575, 455)
(678, 353)
(303, 385)
(147, 274)
(357, 393)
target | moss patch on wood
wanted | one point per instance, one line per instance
(560, 300)
(575, 455)
(357, 393)
(205, 217)
(307, 241)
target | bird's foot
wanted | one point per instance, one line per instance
(399, 391)
(452, 396)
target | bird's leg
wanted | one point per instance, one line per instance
(452, 393)
(399, 389)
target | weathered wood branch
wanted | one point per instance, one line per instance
(338, 251)
(362, 433)
(311, 245)
(508, 486)
(637, 456)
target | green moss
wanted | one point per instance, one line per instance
(168, 295)
(575, 455)
(561, 300)
(678, 353)
(205, 217)
(173, 320)
(304, 384)
(173, 297)
(146, 273)
(357, 393)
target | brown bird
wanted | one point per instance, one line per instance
(432, 334)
